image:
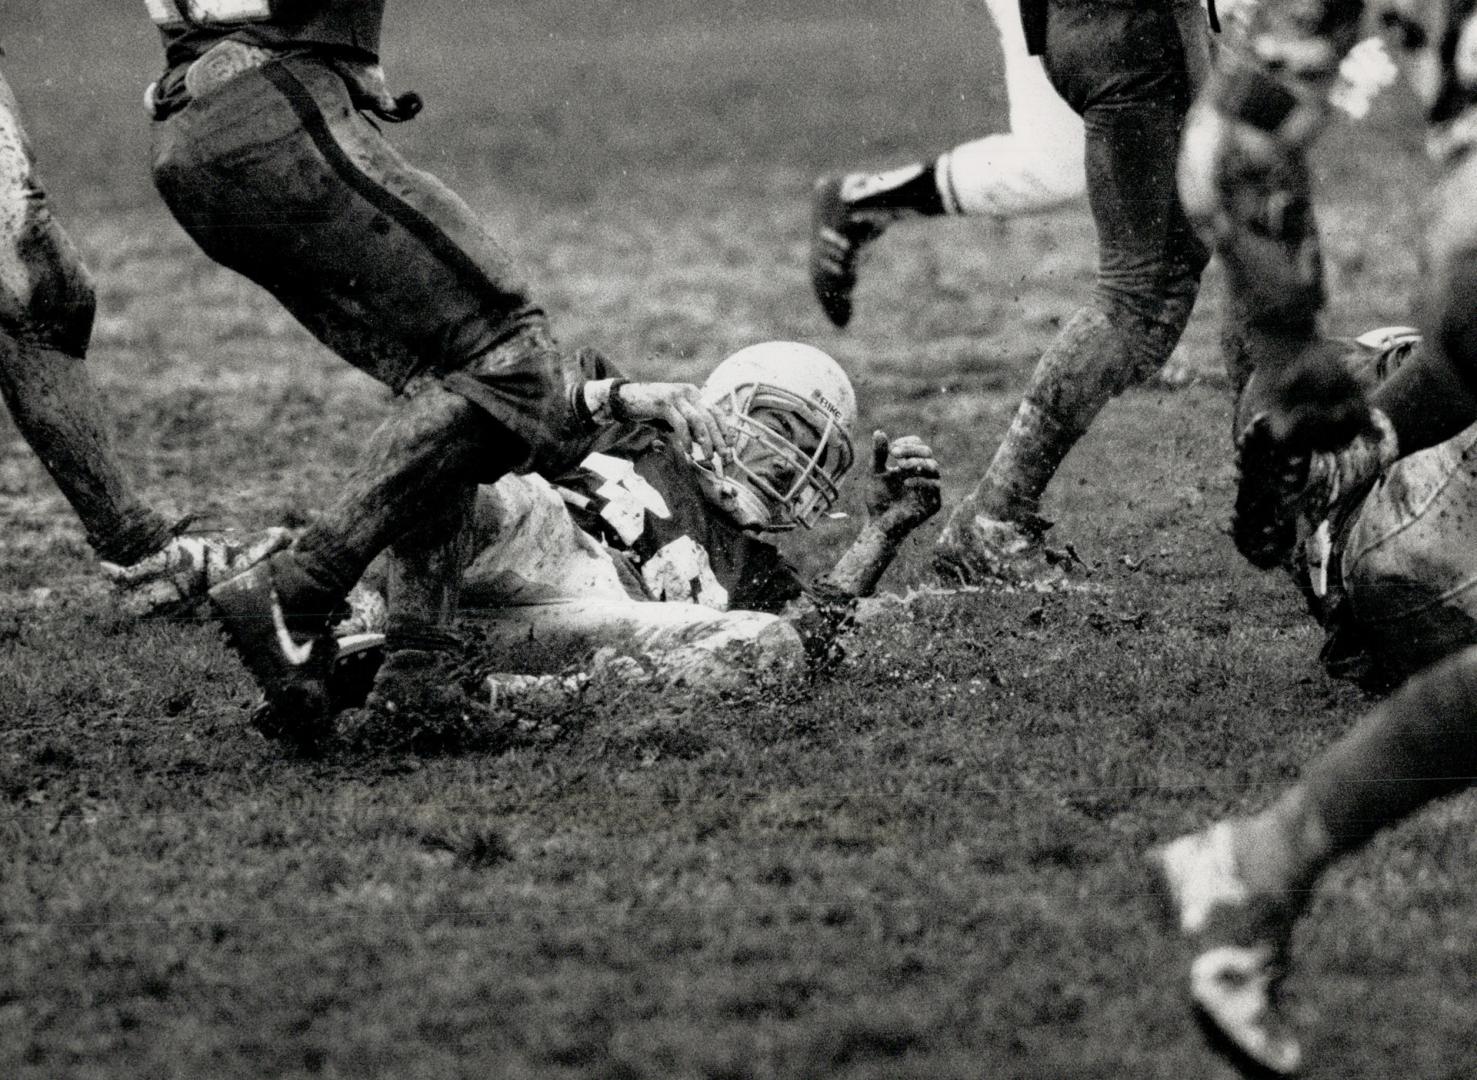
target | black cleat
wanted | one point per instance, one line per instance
(1270, 477)
(837, 236)
(289, 654)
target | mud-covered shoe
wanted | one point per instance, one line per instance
(995, 551)
(1316, 403)
(1269, 480)
(838, 235)
(290, 654)
(1238, 941)
(173, 582)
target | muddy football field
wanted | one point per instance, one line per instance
(927, 864)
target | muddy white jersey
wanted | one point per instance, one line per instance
(643, 499)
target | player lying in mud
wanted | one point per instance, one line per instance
(654, 555)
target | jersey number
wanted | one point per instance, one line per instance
(176, 14)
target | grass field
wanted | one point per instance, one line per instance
(925, 866)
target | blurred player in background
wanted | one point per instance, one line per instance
(46, 313)
(1034, 166)
(1237, 887)
(1385, 548)
(648, 551)
(268, 150)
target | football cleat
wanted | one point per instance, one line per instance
(1270, 478)
(356, 662)
(838, 234)
(173, 581)
(1239, 946)
(289, 654)
(995, 551)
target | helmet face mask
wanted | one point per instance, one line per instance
(792, 448)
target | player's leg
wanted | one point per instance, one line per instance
(673, 643)
(1134, 96)
(1237, 887)
(421, 460)
(397, 275)
(1035, 165)
(417, 682)
(46, 313)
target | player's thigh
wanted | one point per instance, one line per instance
(1123, 69)
(46, 293)
(678, 641)
(276, 175)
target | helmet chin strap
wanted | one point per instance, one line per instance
(740, 502)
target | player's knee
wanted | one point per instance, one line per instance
(1151, 302)
(1145, 341)
(56, 307)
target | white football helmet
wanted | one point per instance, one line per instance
(793, 409)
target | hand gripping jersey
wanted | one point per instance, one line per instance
(642, 498)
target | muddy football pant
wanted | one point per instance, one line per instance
(46, 310)
(1123, 68)
(278, 176)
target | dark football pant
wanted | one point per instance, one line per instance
(1123, 68)
(278, 176)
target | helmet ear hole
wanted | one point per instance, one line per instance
(794, 403)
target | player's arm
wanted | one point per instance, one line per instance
(903, 492)
(677, 408)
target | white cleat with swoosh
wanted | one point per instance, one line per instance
(1239, 945)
